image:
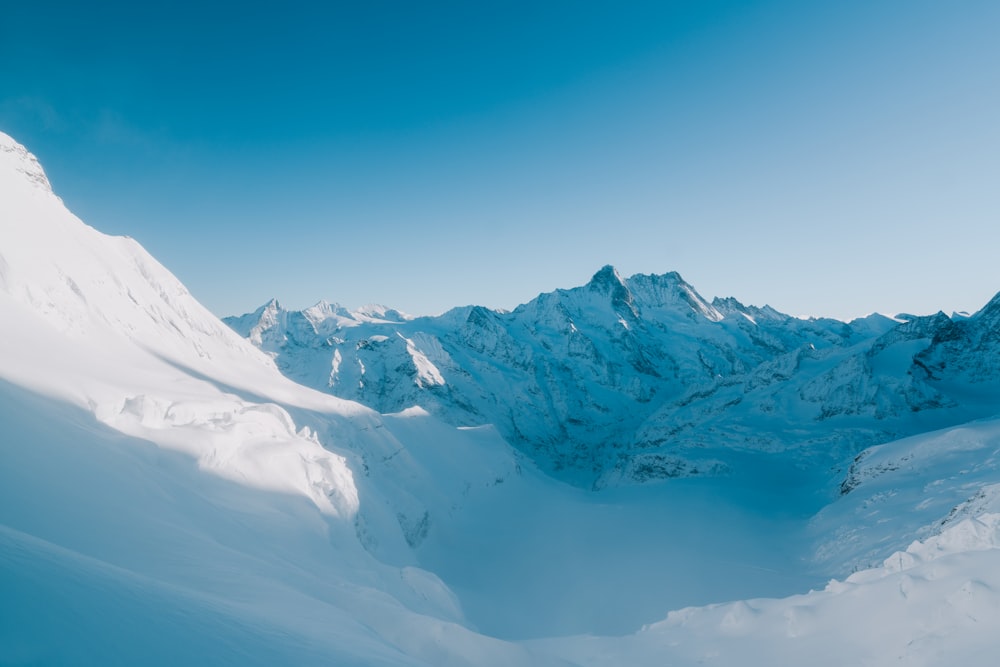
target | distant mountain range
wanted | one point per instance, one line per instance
(633, 380)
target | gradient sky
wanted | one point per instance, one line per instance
(826, 158)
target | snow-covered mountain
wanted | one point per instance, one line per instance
(638, 379)
(167, 496)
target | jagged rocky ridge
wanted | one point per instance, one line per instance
(631, 380)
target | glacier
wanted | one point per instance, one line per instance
(620, 473)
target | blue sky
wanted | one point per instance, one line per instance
(827, 158)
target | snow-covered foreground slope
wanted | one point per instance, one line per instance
(167, 496)
(909, 489)
(931, 602)
(116, 551)
(936, 603)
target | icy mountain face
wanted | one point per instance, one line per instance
(638, 379)
(965, 351)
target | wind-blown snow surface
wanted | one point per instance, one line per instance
(168, 497)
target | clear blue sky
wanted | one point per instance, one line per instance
(827, 158)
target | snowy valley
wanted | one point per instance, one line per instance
(618, 473)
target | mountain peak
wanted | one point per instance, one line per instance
(269, 311)
(608, 282)
(606, 278)
(15, 156)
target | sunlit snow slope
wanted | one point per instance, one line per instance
(168, 497)
(164, 494)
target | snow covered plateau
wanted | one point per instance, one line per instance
(622, 473)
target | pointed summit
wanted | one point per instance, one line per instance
(268, 313)
(257, 324)
(16, 157)
(606, 278)
(608, 282)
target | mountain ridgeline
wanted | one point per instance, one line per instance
(626, 381)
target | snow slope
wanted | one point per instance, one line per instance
(159, 478)
(908, 489)
(167, 496)
(935, 603)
